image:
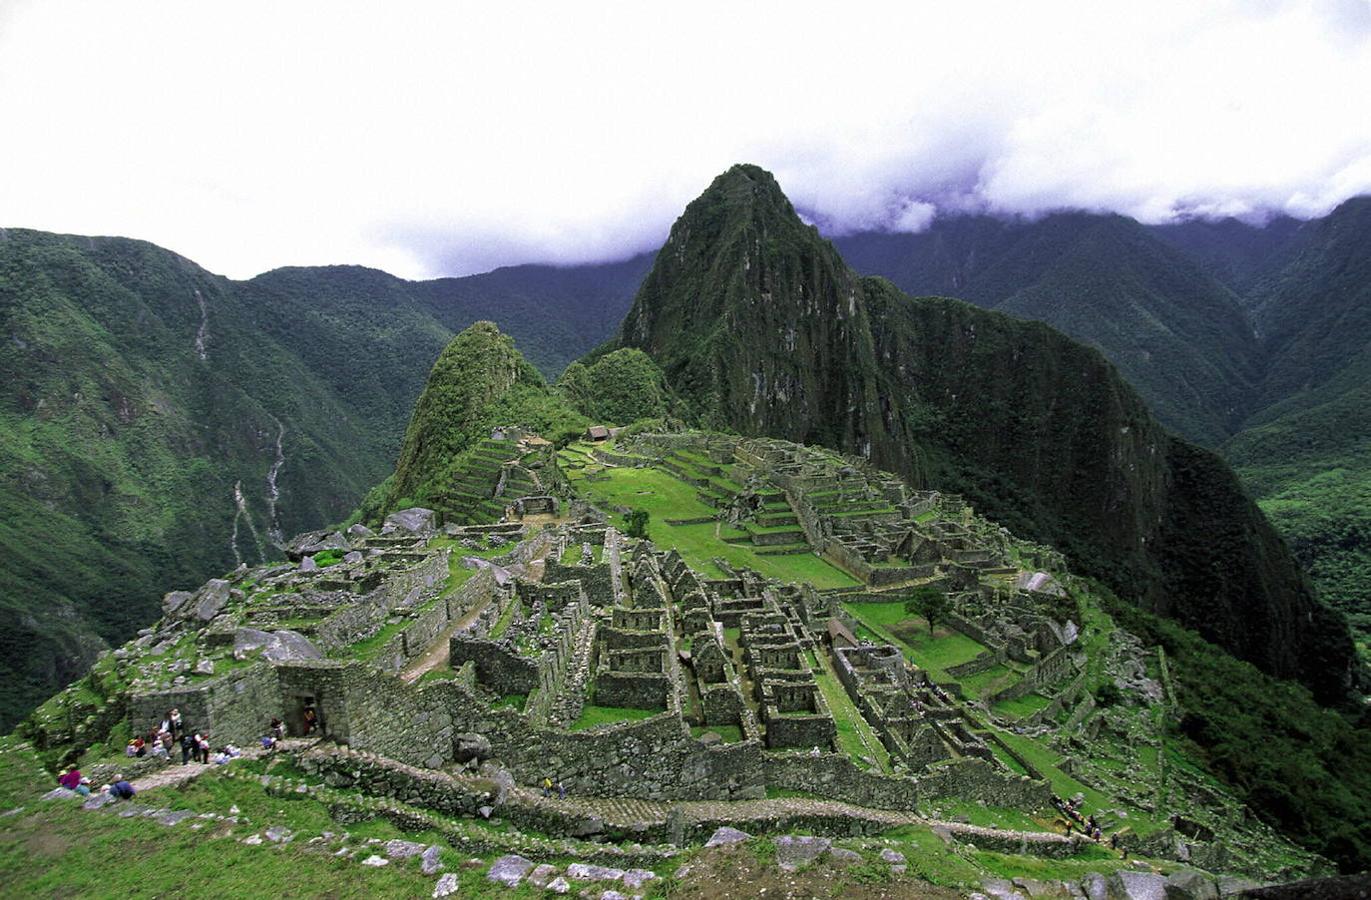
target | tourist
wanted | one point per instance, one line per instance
(202, 748)
(70, 778)
(187, 747)
(174, 722)
(159, 750)
(311, 720)
(561, 790)
(278, 729)
(136, 747)
(547, 786)
(84, 787)
(121, 789)
(268, 743)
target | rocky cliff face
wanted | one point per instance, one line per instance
(761, 327)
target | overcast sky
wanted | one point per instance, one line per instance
(448, 138)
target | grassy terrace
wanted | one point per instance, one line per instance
(856, 738)
(935, 653)
(595, 716)
(1022, 707)
(571, 556)
(665, 497)
(731, 734)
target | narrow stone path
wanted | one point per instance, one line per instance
(174, 773)
(440, 651)
(628, 813)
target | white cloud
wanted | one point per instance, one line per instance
(451, 137)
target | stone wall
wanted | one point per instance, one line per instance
(633, 690)
(236, 707)
(975, 779)
(834, 775)
(594, 579)
(497, 665)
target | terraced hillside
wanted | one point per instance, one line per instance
(709, 676)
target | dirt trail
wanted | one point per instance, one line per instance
(439, 652)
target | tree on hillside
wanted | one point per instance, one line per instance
(637, 523)
(928, 602)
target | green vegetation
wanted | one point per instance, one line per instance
(1303, 768)
(479, 381)
(595, 716)
(731, 734)
(1022, 707)
(936, 653)
(666, 497)
(928, 602)
(636, 523)
(617, 388)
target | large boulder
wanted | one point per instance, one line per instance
(276, 646)
(1187, 884)
(359, 532)
(416, 521)
(173, 601)
(467, 747)
(312, 542)
(793, 853)
(209, 601)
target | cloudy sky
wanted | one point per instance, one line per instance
(448, 138)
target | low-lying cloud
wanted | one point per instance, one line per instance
(446, 139)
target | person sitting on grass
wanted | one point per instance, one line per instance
(72, 781)
(121, 789)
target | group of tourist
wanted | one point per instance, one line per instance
(159, 742)
(1071, 812)
(162, 740)
(73, 780)
(550, 787)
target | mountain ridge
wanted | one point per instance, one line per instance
(789, 342)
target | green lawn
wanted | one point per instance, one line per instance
(856, 737)
(989, 682)
(595, 716)
(936, 653)
(1022, 707)
(731, 734)
(665, 497)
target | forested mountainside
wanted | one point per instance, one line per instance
(1254, 340)
(762, 328)
(1305, 452)
(1175, 332)
(159, 423)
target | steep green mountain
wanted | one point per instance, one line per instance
(1278, 383)
(619, 387)
(158, 423)
(1178, 335)
(1234, 252)
(1306, 452)
(761, 328)
(480, 381)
